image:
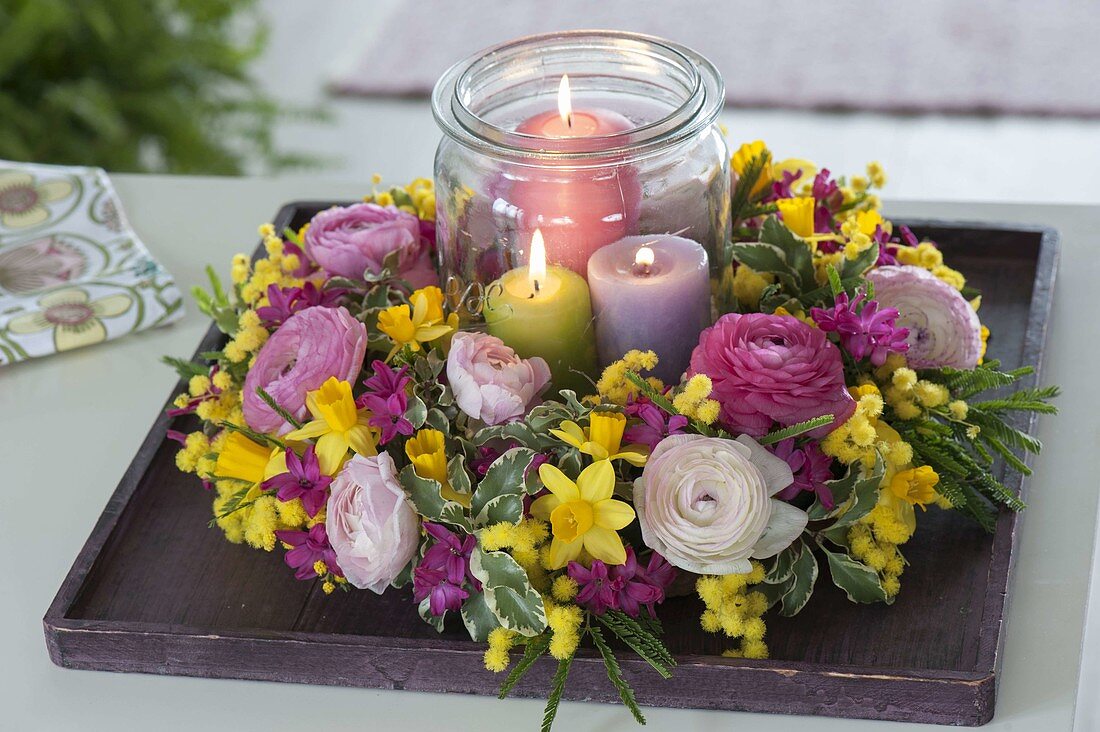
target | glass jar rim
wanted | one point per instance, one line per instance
(701, 103)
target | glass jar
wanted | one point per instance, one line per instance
(627, 145)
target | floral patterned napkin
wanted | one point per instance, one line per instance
(72, 272)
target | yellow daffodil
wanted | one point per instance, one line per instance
(428, 455)
(794, 165)
(421, 323)
(583, 515)
(744, 155)
(603, 438)
(798, 214)
(915, 486)
(337, 425)
(245, 459)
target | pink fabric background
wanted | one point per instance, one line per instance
(1035, 56)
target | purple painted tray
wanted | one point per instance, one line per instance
(155, 591)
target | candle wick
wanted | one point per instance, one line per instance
(569, 120)
(537, 287)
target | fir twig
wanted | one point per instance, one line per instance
(535, 648)
(615, 674)
(260, 437)
(661, 401)
(795, 429)
(270, 401)
(556, 690)
(641, 641)
(186, 369)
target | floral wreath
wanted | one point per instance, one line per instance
(351, 423)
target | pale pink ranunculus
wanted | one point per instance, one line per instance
(351, 240)
(706, 503)
(371, 525)
(772, 368)
(943, 328)
(310, 347)
(490, 382)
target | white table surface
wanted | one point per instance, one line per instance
(71, 424)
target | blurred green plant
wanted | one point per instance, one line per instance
(137, 85)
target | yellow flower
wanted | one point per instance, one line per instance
(744, 155)
(869, 221)
(583, 515)
(336, 424)
(603, 438)
(876, 174)
(985, 343)
(613, 385)
(798, 214)
(245, 459)
(793, 165)
(412, 326)
(748, 285)
(916, 485)
(428, 455)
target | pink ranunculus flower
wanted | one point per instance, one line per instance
(943, 328)
(310, 347)
(706, 503)
(490, 382)
(351, 240)
(772, 368)
(371, 525)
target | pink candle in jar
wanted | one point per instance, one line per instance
(579, 209)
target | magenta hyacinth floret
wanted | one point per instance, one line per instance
(285, 301)
(627, 586)
(772, 368)
(655, 423)
(811, 468)
(387, 399)
(307, 548)
(442, 594)
(303, 479)
(444, 570)
(865, 329)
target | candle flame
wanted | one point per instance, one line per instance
(644, 257)
(565, 101)
(536, 263)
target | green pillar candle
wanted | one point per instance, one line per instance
(546, 311)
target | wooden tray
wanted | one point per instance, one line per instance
(155, 591)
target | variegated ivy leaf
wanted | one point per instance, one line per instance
(778, 568)
(437, 420)
(426, 498)
(518, 431)
(417, 412)
(499, 495)
(457, 475)
(479, 619)
(854, 495)
(508, 593)
(436, 621)
(859, 582)
(803, 576)
(863, 498)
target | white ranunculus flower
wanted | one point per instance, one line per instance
(705, 503)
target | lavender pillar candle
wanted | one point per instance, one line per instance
(650, 292)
